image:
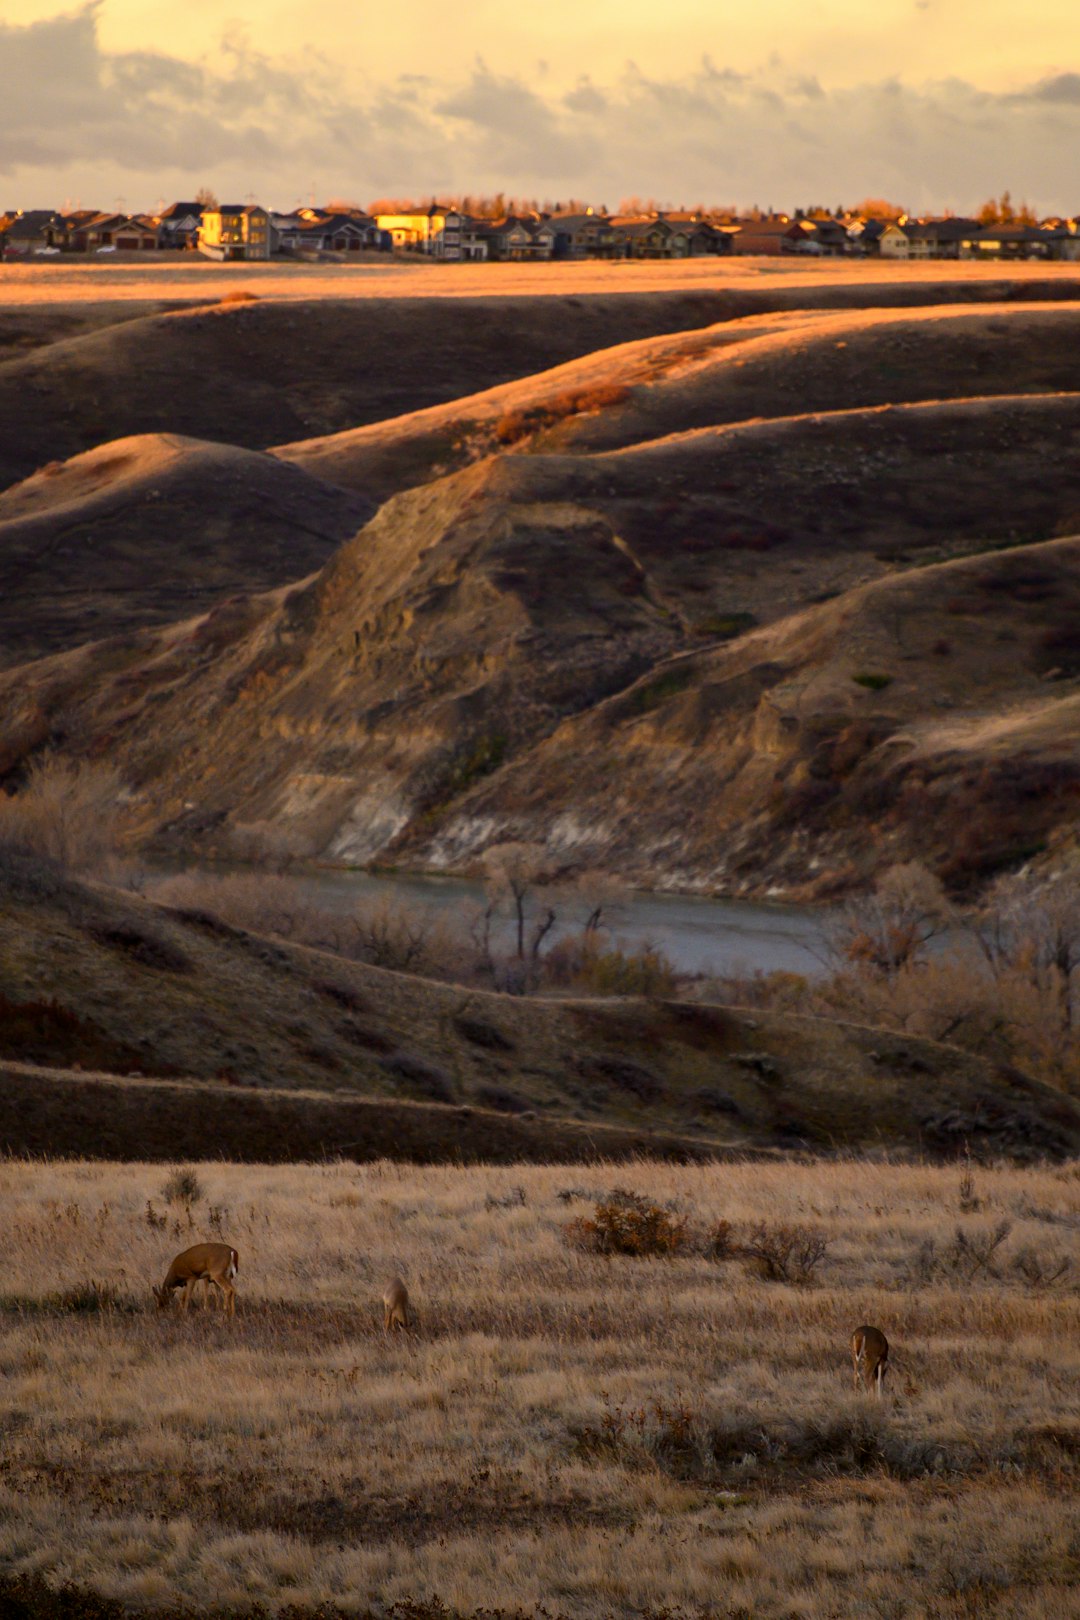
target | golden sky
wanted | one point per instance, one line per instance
(997, 44)
(934, 103)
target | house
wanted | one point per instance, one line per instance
(1021, 242)
(179, 225)
(772, 236)
(517, 238)
(893, 241)
(831, 236)
(235, 231)
(463, 238)
(581, 236)
(136, 233)
(938, 238)
(415, 232)
(643, 238)
(35, 230)
(701, 235)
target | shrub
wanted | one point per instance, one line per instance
(68, 813)
(584, 964)
(785, 1253)
(719, 1242)
(626, 1223)
(182, 1187)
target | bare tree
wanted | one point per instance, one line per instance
(889, 929)
(513, 871)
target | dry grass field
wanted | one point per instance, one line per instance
(595, 1435)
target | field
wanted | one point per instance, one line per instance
(596, 1435)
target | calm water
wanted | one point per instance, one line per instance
(699, 936)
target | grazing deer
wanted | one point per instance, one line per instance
(870, 1358)
(395, 1305)
(207, 1263)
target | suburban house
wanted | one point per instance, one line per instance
(1021, 242)
(36, 230)
(464, 239)
(235, 231)
(772, 236)
(581, 236)
(332, 232)
(516, 238)
(415, 233)
(179, 225)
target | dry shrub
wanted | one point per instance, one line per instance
(520, 424)
(66, 812)
(785, 1253)
(627, 1223)
(381, 932)
(258, 903)
(407, 939)
(1040, 1270)
(585, 964)
(718, 1242)
(182, 1187)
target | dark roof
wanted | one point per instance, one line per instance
(178, 209)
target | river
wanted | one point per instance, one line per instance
(697, 935)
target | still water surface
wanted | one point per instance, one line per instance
(699, 936)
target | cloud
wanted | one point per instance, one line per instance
(120, 121)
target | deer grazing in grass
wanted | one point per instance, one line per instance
(210, 1263)
(396, 1306)
(870, 1358)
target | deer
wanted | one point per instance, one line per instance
(395, 1306)
(870, 1358)
(208, 1263)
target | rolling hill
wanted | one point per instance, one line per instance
(371, 711)
(131, 1031)
(146, 528)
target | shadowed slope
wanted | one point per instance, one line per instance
(149, 527)
(766, 366)
(360, 712)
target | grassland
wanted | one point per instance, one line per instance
(598, 1436)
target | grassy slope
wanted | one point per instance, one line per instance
(930, 715)
(162, 993)
(263, 372)
(272, 371)
(149, 527)
(361, 712)
(782, 364)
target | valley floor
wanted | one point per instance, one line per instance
(596, 1436)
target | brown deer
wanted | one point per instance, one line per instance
(870, 1358)
(209, 1263)
(395, 1306)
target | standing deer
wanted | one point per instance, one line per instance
(395, 1306)
(207, 1263)
(870, 1358)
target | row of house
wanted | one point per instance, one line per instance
(249, 231)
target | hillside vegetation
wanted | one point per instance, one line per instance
(769, 595)
(96, 980)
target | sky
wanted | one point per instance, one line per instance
(932, 104)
